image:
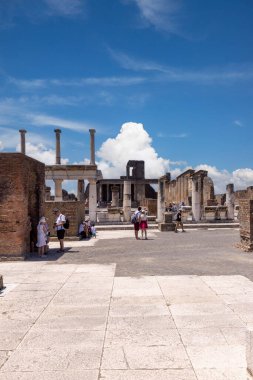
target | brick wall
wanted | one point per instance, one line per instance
(74, 210)
(22, 182)
(246, 223)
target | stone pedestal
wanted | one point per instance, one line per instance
(211, 213)
(249, 350)
(166, 224)
(127, 201)
(223, 213)
(1, 282)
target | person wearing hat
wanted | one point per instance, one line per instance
(41, 236)
(58, 225)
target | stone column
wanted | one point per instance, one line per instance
(58, 190)
(230, 200)
(22, 140)
(115, 196)
(80, 190)
(93, 200)
(92, 146)
(127, 201)
(57, 147)
(160, 201)
(196, 198)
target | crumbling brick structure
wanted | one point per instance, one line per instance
(22, 196)
(246, 224)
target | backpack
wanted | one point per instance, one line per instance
(66, 224)
(133, 219)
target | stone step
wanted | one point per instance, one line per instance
(152, 226)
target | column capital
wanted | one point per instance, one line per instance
(57, 130)
(22, 130)
(92, 131)
(92, 181)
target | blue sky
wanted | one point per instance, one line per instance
(183, 69)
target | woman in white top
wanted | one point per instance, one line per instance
(41, 236)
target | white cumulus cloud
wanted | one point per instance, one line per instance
(241, 178)
(131, 143)
(41, 153)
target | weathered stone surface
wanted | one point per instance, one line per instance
(249, 349)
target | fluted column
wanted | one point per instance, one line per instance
(22, 140)
(57, 146)
(92, 146)
(93, 200)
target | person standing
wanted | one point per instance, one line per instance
(41, 236)
(179, 221)
(137, 215)
(59, 227)
(143, 224)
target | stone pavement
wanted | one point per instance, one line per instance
(66, 319)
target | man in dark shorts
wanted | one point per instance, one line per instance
(137, 223)
(179, 221)
(58, 225)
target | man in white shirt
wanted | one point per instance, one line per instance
(58, 225)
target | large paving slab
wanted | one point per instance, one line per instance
(75, 317)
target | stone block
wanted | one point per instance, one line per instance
(166, 227)
(210, 213)
(249, 349)
(167, 217)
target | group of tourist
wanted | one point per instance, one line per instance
(140, 222)
(87, 230)
(43, 232)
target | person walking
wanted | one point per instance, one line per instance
(136, 222)
(179, 221)
(59, 227)
(143, 224)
